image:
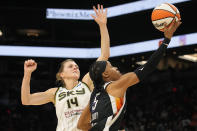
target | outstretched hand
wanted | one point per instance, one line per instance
(101, 15)
(169, 31)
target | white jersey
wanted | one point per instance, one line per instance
(69, 105)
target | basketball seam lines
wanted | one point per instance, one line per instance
(167, 11)
(171, 7)
(164, 18)
(168, 24)
(171, 22)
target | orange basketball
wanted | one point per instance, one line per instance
(164, 13)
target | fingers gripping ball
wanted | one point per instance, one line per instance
(164, 13)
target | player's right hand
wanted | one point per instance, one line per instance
(30, 66)
(169, 31)
(100, 15)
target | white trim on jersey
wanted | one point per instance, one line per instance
(112, 99)
(109, 123)
(113, 104)
(106, 84)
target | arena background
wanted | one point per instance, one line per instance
(165, 101)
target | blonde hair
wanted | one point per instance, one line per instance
(58, 77)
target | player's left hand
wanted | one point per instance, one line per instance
(101, 15)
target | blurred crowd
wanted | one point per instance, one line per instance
(165, 101)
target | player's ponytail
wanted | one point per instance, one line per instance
(95, 71)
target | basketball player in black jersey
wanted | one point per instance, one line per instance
(107, 103)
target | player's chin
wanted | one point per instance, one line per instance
(119, 73)
(76, 76)
(117, 78)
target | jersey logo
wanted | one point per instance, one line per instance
(62, 95)
(95, 102)
(141, 68)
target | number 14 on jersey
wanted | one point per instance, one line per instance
(72, 102)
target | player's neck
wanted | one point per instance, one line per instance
(70, 83)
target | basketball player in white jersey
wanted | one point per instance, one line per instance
(70, 99)
(107, 104)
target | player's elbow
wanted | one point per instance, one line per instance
(135, 80)
(25, 101)
(83, 126)
(130, 79)
(105, 56)
(80, 126)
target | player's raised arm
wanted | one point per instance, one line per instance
(36, 98)
(100, 18)
(141, 72)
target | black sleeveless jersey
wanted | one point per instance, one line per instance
(107, 111)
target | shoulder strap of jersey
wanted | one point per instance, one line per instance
(56, 94)
(86, 85)
(106, 84)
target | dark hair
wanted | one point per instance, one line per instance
(95, 71)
